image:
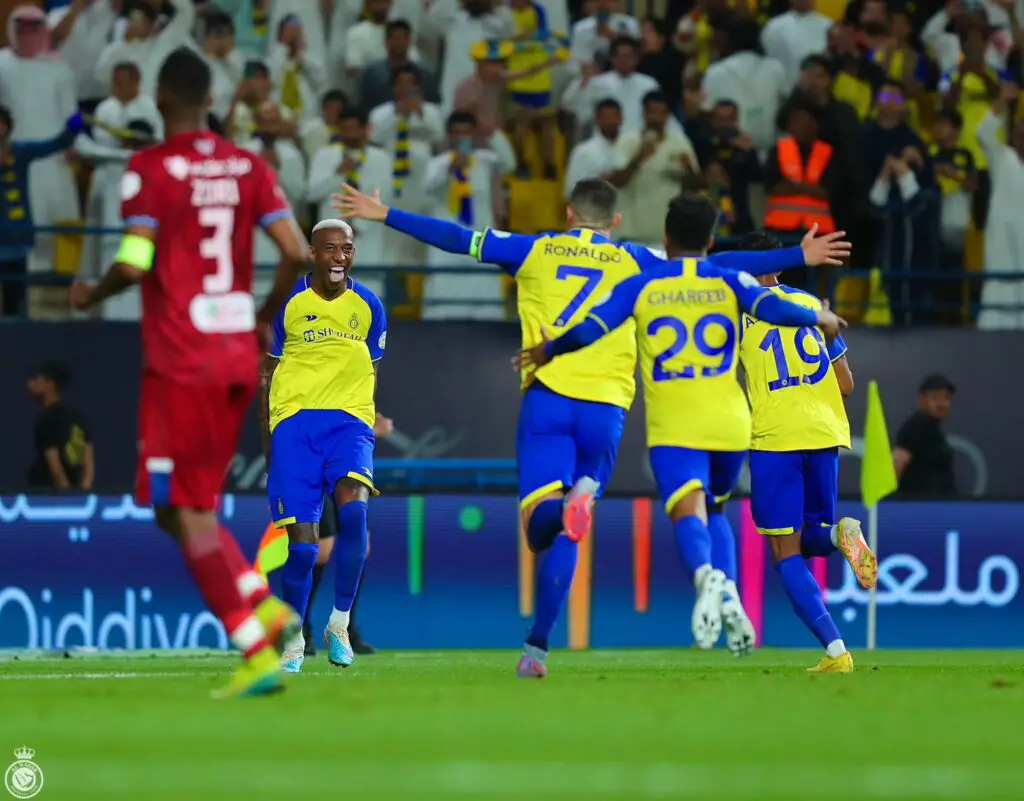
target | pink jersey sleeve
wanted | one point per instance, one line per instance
(271, 203)
(140, 193)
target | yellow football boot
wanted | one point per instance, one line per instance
(851, 543)
(258, 675)
(834, 664)
(281, 622)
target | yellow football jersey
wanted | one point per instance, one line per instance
(559, 279)
(326, 351)
(793, 390)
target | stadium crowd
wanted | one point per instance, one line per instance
(897, 123)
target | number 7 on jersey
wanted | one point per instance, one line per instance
(591, 280)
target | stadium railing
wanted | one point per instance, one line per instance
(875, 297)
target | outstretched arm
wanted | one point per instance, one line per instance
(830, 249)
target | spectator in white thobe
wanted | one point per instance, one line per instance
(460, 184)
(227, 65)
(592, 36)
(81, 31)
(297, 72)
(356, 162)
(39, 91)
(789, 38)
(598, 156)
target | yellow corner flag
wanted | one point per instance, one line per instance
(877, 473)
(273, 551)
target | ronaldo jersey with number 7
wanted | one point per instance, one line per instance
(204, 197)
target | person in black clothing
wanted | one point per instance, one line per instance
(64, 453)
(922, 456)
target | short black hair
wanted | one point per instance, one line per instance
(952, 116)
(891, 83)
(218, 22)
(690, 222)
(5, 117)
(624, 41)
(397, 25)
(593, 201)
(56, 371)
(353, 113)
(799, 102)
(186, 77)
(657, 96)
(608, 103)
(816, 60)
(744, 34)
(730, 104)
(460, 118)
(127, 66)
(407, 70)
(334, 96)
(759, 240)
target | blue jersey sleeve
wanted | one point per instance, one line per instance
(502, 248)
(41, 148)
(277, 334)
(836, 349)
(762, 303)
(604, 318)
(377, 338)
(758, 262)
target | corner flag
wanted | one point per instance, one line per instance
(877, 473)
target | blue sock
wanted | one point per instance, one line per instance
(816, 541)
(553, 582)
(723, 544)
(805, 594)
(297, 575)
(544, 525)
(693, 541)
(349, 553)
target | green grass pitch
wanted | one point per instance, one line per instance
(623, 725)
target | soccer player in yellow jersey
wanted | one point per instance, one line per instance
(326, 345)
(572, 412)
(686, 314)
(796, 384)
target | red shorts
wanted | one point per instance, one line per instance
(187, 439)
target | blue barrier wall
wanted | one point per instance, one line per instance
(95, 570)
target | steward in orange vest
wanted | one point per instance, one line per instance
(799, 200)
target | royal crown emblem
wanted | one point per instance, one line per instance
(24, 752)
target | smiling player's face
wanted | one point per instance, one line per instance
(333, 254)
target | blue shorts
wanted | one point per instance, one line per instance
(560, 439)
(309, 453)
(535, 101)
(793, 489)
(679, 471)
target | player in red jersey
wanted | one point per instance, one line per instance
(190, 206)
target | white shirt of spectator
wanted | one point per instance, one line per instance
(149, 54)
(592, 158)
(225, 73)
(291, 177)
(459, 31)
(1004, 235)
(91, 31)
(789, 38)
(944, 45)
(756, 84)
(312, 77)
(313, 28)
(488, 285)
(103, 206)
(346, 16)
(364, 44)
(655, 183)
(627, 91)
(375, 173)
(244, 123)
(588, 45)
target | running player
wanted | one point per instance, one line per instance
(189, 206)
(321, 373)
(572, 413)
(687, 318)
(796, 384)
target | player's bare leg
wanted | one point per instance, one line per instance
(200, 538)
(296, 585)
(689, 520)
(809, 604)
(351, 497)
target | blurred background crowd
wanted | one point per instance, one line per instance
(896, 122)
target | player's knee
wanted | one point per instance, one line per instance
(303, 532)
(693, 504)
(785, 546)
(348, 490)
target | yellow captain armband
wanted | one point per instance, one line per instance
(136, 251)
